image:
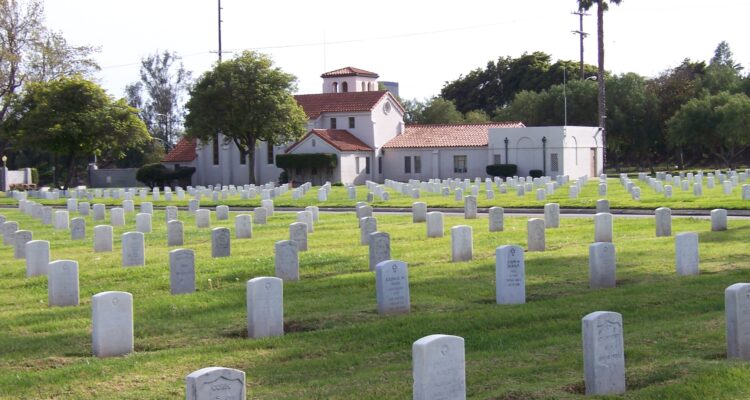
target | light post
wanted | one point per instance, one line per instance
(5, 161)
(544, 155)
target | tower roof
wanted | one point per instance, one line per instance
(349, 71)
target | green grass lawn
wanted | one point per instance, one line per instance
(336, 346)
(618, 197)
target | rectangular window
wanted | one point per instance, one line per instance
(215, 144)
(243, 156)
(496, 159)
(407, 165)
(269, 153)
(380, 165)
(351, 122)
(459, 164)
(553, 162)
(333, 123)
(367, 165)
(417, 165)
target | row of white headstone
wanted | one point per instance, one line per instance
(439, 366)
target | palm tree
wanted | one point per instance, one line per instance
(601, 6)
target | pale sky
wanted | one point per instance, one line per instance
(419, 43)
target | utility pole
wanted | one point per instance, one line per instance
(220, 32)
(582, 35)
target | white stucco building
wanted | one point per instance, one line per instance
(364, 128)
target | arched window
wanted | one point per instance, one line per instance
(344, 87)
(369, 86)
(335, 87)
(364, 87)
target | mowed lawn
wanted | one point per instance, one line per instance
(337, 346)
(617, 195)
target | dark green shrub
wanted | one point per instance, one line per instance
(312, 160)
(536, 173)
(502, 170)
(152, 175)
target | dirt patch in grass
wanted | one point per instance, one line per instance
(516, 395)
(575, 388)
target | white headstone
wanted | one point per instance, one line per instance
(602, 265)
(62, 283)
(603, 353)
(510, 275)
(439, 368)
(286, 260)
(243, 226)
(170, 213)
(603, 227)
(117, 216)
(128, 206)
(686, 253)
(202, 218)
(380, 248)
(175, 233)
(99, 212)
(535, 235)
(20, 238)
(133, 249)
(663, 217)
(496, 219)
(222, 213)
(103, 238)
(602, 206)
(265, 307)
(368, 225)
(37, 257)
(470, 207)
(392, 287)
(737, 309)
(261, 215)
(418, 212)
(62, 219)
(215, 383)
(181, 271)
(9, 229)
(268, 205)
(719, 219)
(220, 242)
(112, 324)
(551, 215)
(462, 247)
(147, 207)
(435, 224)
(298, 234)
(143, 222)
(307, 218)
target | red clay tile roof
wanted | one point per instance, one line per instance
(340, 139)
(316, 104)
(447, 135)
(349, 71)
(183, 151)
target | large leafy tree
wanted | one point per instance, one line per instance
(601, 6)
(29, 52)
(74, 118)
(247, 99)
(494, 87)
(717, 124)
(159, 95)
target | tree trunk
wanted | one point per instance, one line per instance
(251, 161)
(71, 171)
(600, 78)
